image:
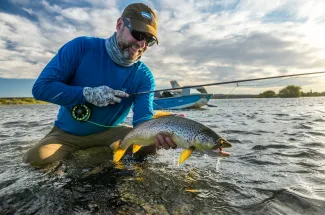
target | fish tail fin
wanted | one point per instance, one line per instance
(118, 154)
(136, 148)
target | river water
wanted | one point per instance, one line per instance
(277, 166)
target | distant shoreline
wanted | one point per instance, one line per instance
(20, 101)
(31, 100)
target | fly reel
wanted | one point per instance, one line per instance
(81, 112)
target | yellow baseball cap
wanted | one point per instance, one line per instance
(142, 18)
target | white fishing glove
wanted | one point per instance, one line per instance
(103, 95)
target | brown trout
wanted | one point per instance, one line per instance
(186, 133)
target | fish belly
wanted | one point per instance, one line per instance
(137, 140)
(145, 134)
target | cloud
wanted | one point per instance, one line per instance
(257, 49)
(200, 41)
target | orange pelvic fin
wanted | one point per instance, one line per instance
(118, 154)
(185, 154)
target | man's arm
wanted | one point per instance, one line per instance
(143, 103)
(143, 111)
(53, 83)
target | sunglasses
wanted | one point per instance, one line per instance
(138, 35)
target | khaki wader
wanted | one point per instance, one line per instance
(58, 144)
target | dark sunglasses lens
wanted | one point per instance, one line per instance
(138, 35)
(142, 36)
(151, 41)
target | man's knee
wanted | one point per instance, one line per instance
(41, 155)
(34, 159)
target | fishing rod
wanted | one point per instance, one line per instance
(83, 112)
(228, 82)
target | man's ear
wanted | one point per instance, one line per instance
(119, 24)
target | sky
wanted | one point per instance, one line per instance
(200, 41)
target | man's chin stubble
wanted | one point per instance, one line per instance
(127, 55)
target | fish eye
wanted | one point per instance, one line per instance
(221, 142)
(224, 143)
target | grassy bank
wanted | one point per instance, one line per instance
(20, 101)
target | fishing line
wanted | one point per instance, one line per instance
(237, 85)
(281, 81)
(82, 113)
(106, 126)
(160, 108)
(248, 85)
(258, 85)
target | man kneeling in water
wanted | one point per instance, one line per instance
(100, 73)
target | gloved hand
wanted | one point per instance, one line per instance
(103, 95)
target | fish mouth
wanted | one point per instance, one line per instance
(222, 153)
(223, 144)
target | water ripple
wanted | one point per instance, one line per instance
(240, 132)
(264, 147)
(276, 166)
(303, 154)
(286, 201)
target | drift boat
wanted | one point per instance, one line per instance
(180, 99)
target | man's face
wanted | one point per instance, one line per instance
(130, 47)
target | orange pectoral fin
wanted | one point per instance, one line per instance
(136, 148)
(118, 154)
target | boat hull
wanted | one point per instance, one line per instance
(181, 102)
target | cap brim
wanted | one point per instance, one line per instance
(143, 27)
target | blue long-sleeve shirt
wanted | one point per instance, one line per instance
(84, 62)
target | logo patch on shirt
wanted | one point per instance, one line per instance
(146, 15)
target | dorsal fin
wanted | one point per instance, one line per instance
(161, 114)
